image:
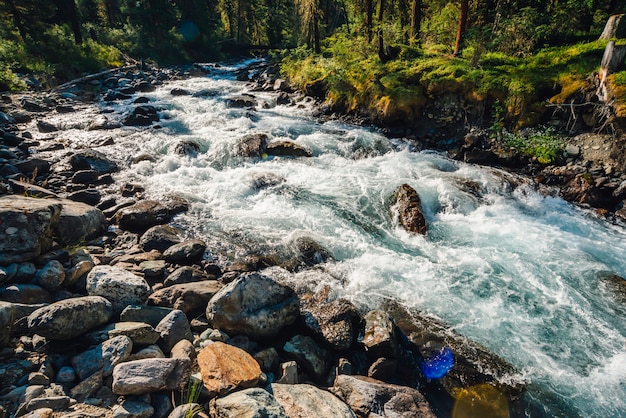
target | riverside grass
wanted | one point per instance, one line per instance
(355, 79)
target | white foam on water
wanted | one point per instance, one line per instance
(502, 264)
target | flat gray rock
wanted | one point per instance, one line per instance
(70, 318)
(119, 286)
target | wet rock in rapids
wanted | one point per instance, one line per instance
(102, 122)
(225, 368)
(309, 401)
(120, 287)
(309, 252)
(93, 160)
(242, 101)
(150, 375)
(253, 402)
(252, 145)
(288, 149)
(367, 396)
(46, 127)
(179, 92)
(27, 227)
(408, 206)
(142, 115)
(238, 309)
(188, 148)
(70, 318)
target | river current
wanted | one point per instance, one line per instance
(512, 269)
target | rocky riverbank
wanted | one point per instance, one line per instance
(110, 310)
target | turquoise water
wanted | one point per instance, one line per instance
(505, 266)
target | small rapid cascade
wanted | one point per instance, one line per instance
(511, 269)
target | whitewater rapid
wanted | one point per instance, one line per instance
(503, 265)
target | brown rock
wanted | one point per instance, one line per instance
(188, 297)
(225, 368)
(409, 209)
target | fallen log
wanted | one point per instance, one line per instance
(94, 76)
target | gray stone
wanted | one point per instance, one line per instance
(103, 357)
(289, 373)
(93, 160)
(160, 238)
(185, 274)
(88, 386)
(379, 336)
(25, 272)
(335, 322)
(242, 101)
(408, 209)
(132, 409)
(151, 315)
(162, 404)
(238, 309)
(7, 319)
(139, 332)
(307, 401)
(191, 298)
(268, 359)
(173, 328)
(151, 351)
(79, 270)
(38, 378)
(183, 349)
(142, 215)
(27, 227)
(185, 411)
(288, 149)
(25, 294)
(248, 403)
(309, 354)
(70, 318)
(150, 375)
(51, 276)
(119, 286)
(367, 397)
(66, 374)
(56, 403)
(185, 252)
(78, 223)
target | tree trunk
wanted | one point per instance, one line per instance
(369, 12)
(316, 34)
(416, 20)
(17, 19)
(615, 27)
(71, 8)
(460, 34)
(381, 11)
(612, 61)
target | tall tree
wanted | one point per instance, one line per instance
(460, 34)
(416, 20)
(369, 13)
(309, 11)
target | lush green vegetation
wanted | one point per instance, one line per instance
(542, 144)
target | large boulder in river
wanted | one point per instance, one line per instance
(408, 205)
(27, 227)
(242, 101)
(70, 318)
(238, 308)
(252, 145)
(143, 215)
(368, 397)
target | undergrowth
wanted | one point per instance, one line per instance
(541, 144)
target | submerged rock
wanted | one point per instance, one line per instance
(288, 149)
(93, 160)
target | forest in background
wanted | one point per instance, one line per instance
(64, 38)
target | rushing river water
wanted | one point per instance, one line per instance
(505, 266)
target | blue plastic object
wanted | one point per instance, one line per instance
(438, 364)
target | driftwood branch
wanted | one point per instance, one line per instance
(94, 76)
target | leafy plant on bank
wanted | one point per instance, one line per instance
(541, 144)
